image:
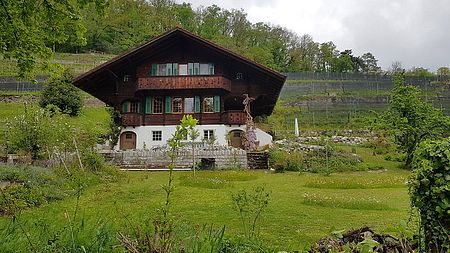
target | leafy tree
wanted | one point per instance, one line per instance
(30, 27)
(60, 92)
(411, 120)
(369, 63)
(419, 72)
(443, 71)
(343, 63)
(327, 56)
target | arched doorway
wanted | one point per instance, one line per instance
(235, 138)
(127, 140)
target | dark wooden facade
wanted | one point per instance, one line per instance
(129, 77)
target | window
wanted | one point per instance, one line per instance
(129, 106)
(177, 105)
(133, 107)
(128, 136)
(157, 106)
(238, 76)
(208, 134)
(183, 69)
(211, 68)
(162, 69)
(189, 105)
(126, 78)
(176, 69)
(157, 135)
(208, 104)
(204, 69)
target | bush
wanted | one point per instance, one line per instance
(429, 190)
(281, 161)
(36, 132)
(330, 160)
(93, 161)
(60, 92)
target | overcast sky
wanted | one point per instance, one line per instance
(414, 32)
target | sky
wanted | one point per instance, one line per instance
(414, 32)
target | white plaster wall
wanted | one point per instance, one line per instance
(144, 134)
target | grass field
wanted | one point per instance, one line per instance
(302, 208)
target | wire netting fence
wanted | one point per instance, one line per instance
(338, 100)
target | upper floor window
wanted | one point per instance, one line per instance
(177, 105)
(208, 104)
(239, 76)
(130, 106)
(126, 78)
(189, 105)
(157, 105)
(182, 69)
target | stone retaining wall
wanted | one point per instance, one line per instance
(157, 159)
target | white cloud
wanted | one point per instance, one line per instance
(415, 32)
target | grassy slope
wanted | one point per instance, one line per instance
(289, 223)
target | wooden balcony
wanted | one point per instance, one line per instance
(132, 119)
(183, 82)
(227, 118)
(234, 117)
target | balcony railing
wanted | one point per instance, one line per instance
(228, 118)
(234, 117)
(183, 82)
(132, 119)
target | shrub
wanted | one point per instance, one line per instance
(60, 92)
(281, 160)
(93, 161)
(429, 190)
(36, 132)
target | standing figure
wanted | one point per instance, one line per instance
(250, 141)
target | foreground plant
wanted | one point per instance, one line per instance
(251, 206)
(429, 190)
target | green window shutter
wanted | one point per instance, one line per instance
(196, 104)
(125, 106)
(138, 107)
(175, 69)
(191, 69)
(196, 68)
(168, 106)
(169, 70)
(154, 69)
(148, 105)
(216, 103)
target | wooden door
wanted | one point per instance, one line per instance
(127, 140)
(236, 139)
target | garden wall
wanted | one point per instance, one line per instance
(221, 157)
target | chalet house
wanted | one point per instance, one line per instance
(177, 73)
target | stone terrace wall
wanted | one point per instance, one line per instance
(156, 159)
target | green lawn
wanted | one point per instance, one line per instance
(302, 208)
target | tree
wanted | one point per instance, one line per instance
(419, 72)
(410, 120)
(396, 67)
(60, 92)
(443, 71)
(189, 123)
(31, 27)
(369, 63)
